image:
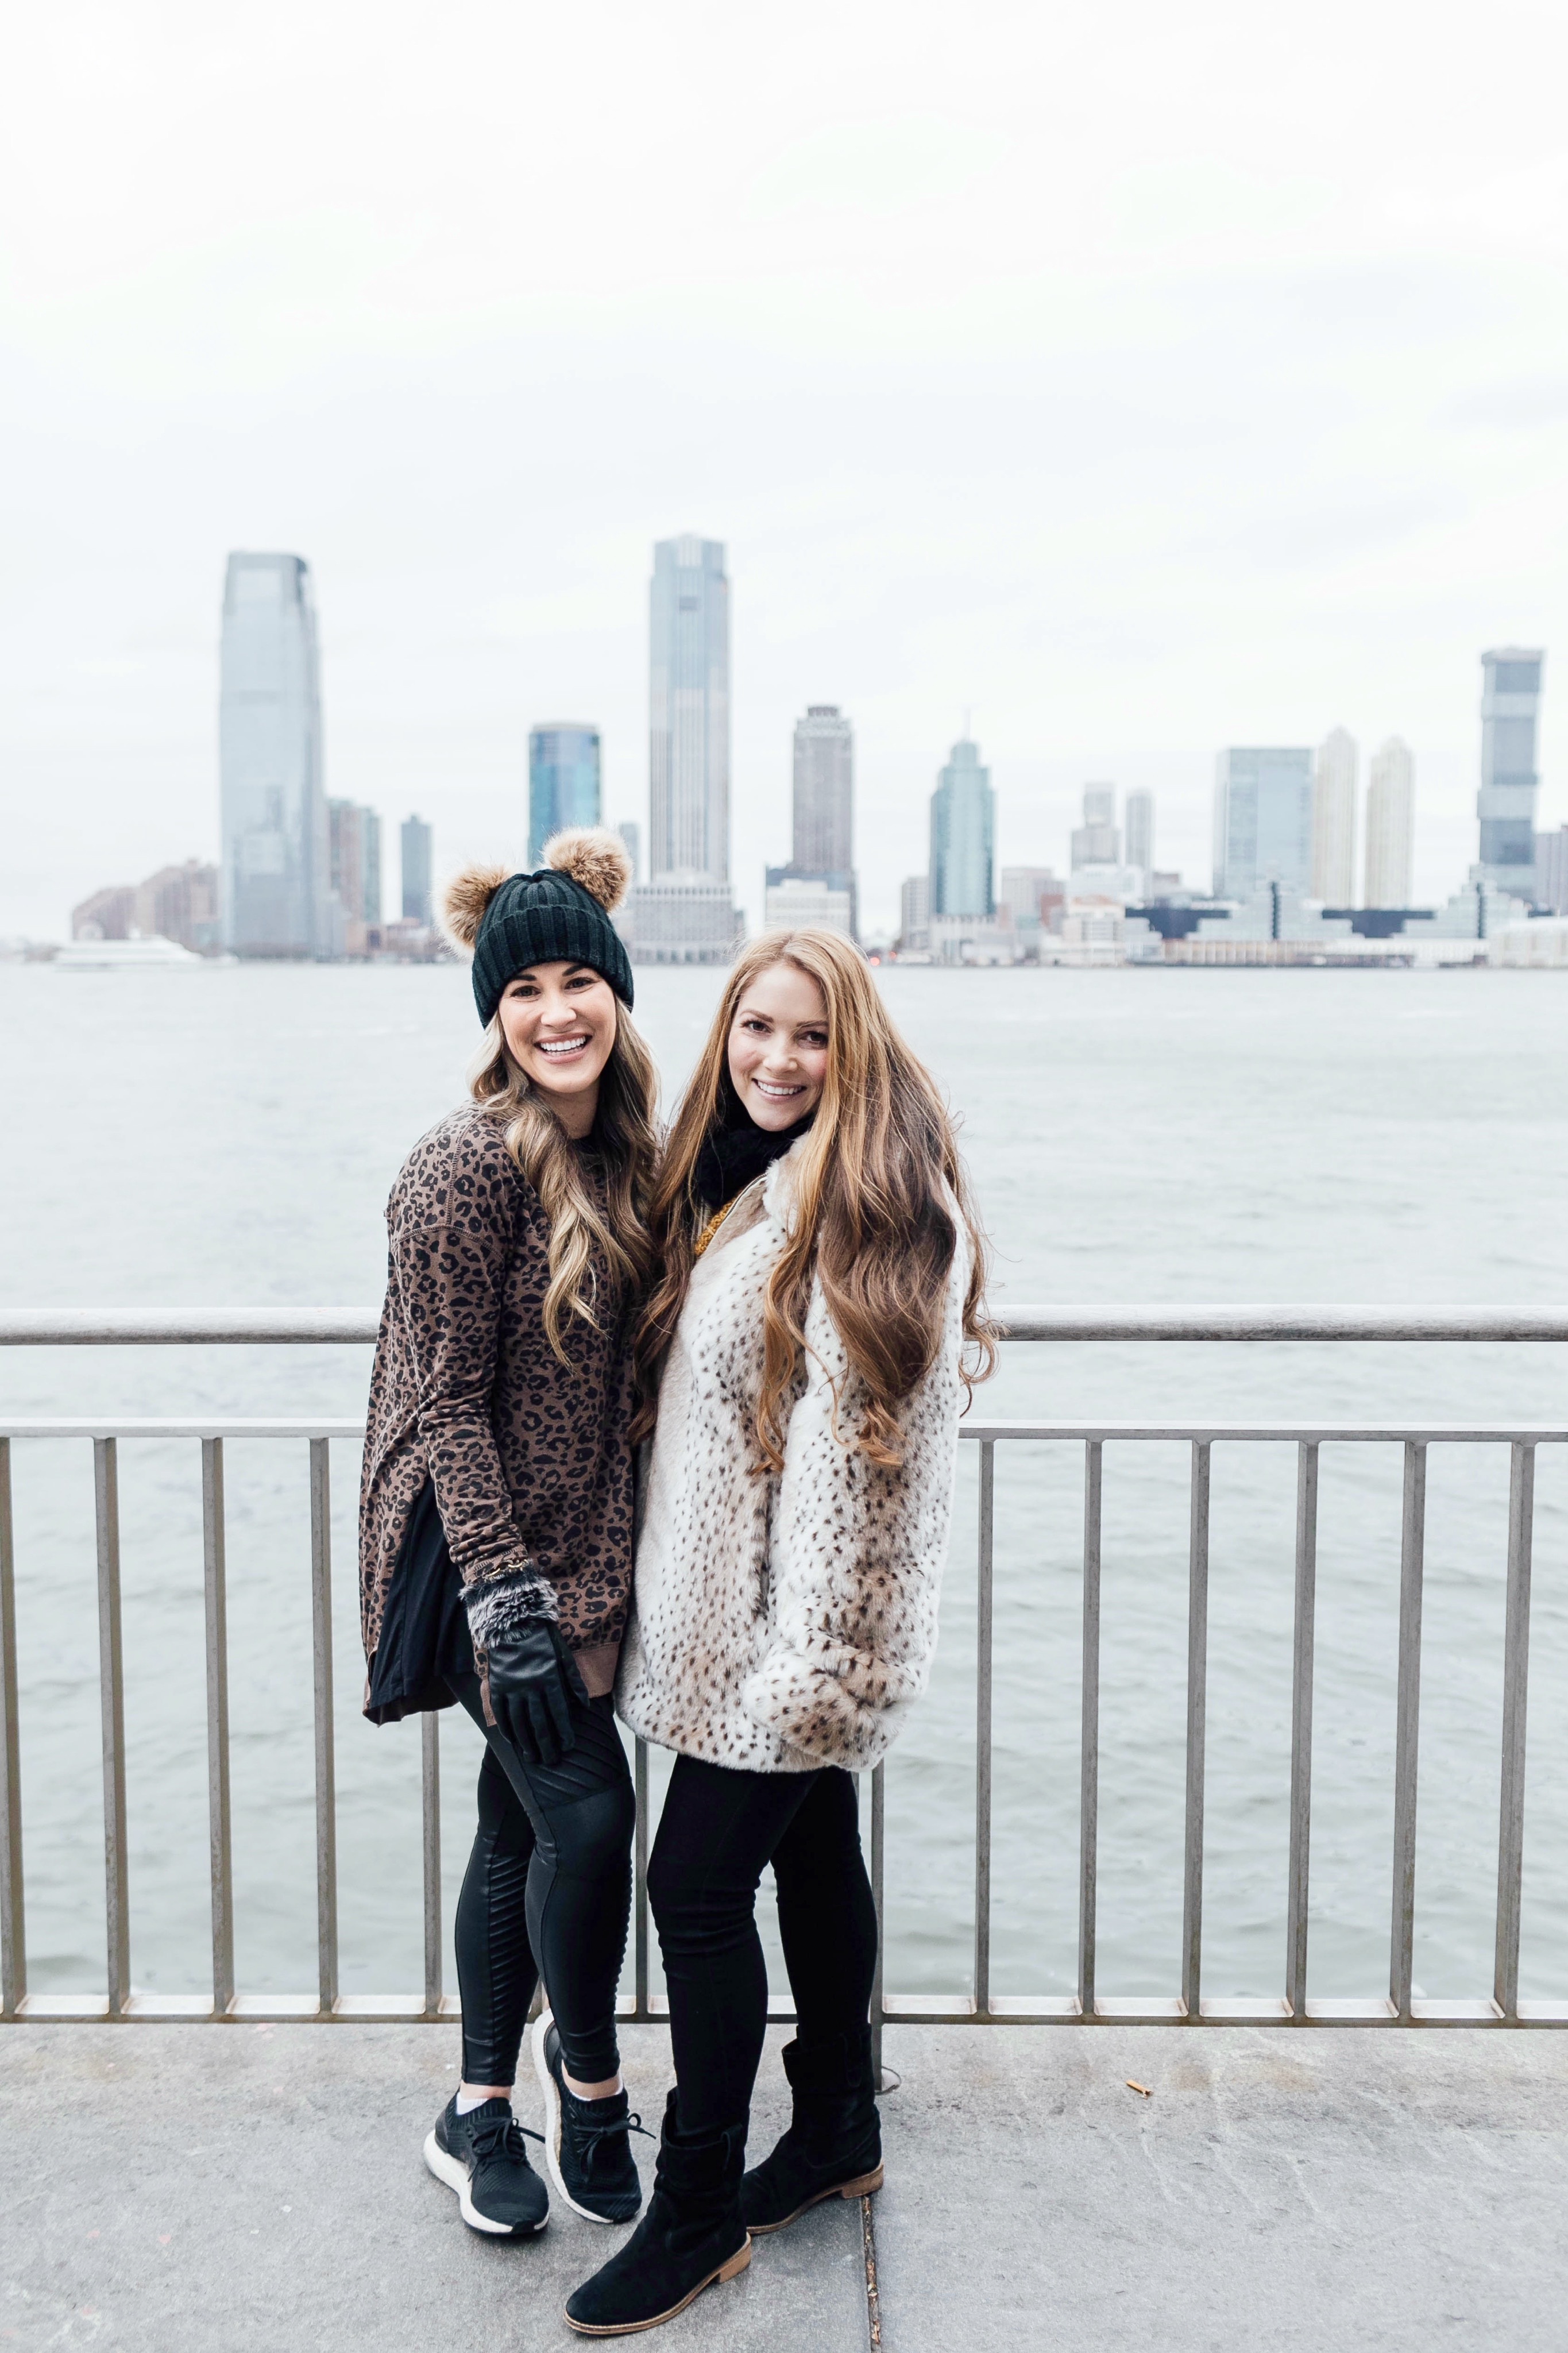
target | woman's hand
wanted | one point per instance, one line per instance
(533, 1680)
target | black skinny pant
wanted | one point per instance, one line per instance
(719, 1831)
(548, 1887)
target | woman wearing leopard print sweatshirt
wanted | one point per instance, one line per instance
(496, 1509)
(820, 1282)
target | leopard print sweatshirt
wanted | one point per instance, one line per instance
(782, 1623)
(530, 1461)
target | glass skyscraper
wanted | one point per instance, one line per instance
(1511, 709)
(562, 782)
(689, 712)
(964, 837)
(276, 889)
(1263, 821)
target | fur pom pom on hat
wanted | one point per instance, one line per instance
(560, 914)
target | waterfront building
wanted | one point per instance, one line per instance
(415, 847)
(796, 900)
(1511, 711)
(630, 832)
(823, 837)
(1028, 894)
(914, 914)
(688, 711)
(1389, 877)
(276, 886)
(564, 782)
(109, 914)
(684, 913)
(1098, 840)
(1140, 813)
(1551, 871)
(962, 835)
(353, 836)
(177, 902)
(1333, 819)
(1262, 820)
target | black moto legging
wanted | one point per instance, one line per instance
(548, 1888)
(719, 1830)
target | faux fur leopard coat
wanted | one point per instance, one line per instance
(782, 1623)
(530, 1457)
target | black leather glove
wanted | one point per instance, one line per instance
(533, 1680)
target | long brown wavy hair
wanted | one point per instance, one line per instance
(879, 1197)
(590, 1246)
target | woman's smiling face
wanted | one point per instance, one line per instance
(778, 1047)
(559, 1023)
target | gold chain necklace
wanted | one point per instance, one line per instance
(717, 1219)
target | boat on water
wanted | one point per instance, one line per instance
(154, 954)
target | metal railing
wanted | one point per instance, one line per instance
(1086, 2005)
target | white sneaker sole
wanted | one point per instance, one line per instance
(541, 2026)
(456, 2176)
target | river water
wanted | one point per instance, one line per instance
(226, 1138)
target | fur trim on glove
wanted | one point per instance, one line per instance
(496, 1604)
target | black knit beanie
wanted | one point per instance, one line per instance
(539, 919)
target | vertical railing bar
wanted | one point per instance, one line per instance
(13, 1915)
(220, 1852)
(1197, 1708)
(640, 2010)
(983, 1645)
(1412, 1553)
(430, 1852)
(1515, 1682)
(878, 1862)
(1089, 1731)
(112, 1697)
(1301, 1658)
(322, 1658)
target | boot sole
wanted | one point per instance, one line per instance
(861, 2187)
(455, 2175)
(728, 2269)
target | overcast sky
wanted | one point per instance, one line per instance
(1141, 379)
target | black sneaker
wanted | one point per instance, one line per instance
(482, 2156)
(587, 2143)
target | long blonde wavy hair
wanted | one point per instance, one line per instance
(592, 1246)
(879, 1197)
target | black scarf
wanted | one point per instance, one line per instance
(735, 1150)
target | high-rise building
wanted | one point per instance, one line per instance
(353, 836)
(630, 832)
(181, 904)
(1141, 831)
(562, 782)
(914, 913)
(1551, 871)
(823, 840)
(1098, 840)
(964, 837)
(1262, 821)
(1333, 819)
(794, 900)
(414, 845)
(1390, 875)
(276, 880)
(688, 711)
(1510, 709)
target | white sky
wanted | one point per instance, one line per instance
(1142, 378)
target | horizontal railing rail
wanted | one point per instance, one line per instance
(1086, 2005)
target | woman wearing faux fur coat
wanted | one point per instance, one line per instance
(821, 1276)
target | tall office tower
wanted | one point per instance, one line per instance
(415, 848)
(630, 832)
(1551, 871)
(1389, 879)
(276, 887)
(1511, 707)
(562, 782)
(914, 911)
(1141, 831)
(1334, 820)
(1098, 840)
(964, 837)
(353, 836)
(1262, 821)
(823, 837)
(689, 712)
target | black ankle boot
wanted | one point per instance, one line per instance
(690, 2235)
(834, 2146)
